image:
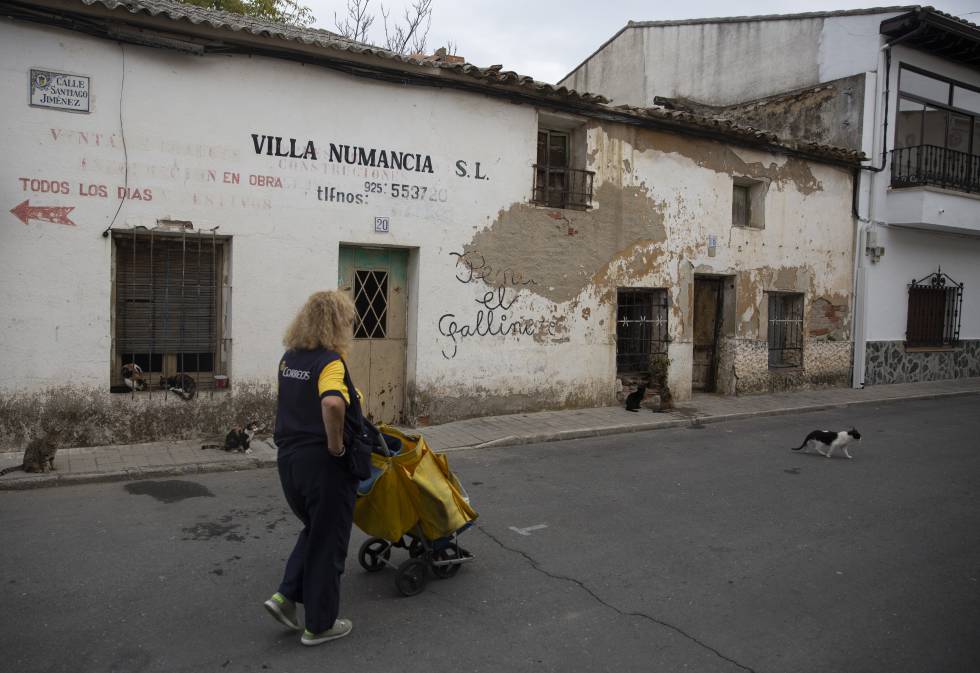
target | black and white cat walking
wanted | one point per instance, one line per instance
(830, 441)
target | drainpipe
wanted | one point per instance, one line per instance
(864, 225)
(887, 50)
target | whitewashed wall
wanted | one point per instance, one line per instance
(187, 123)
(183, 126)
(909, 254)
(914, 252)
(729, 62)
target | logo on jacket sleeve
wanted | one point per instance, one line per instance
(298, 374)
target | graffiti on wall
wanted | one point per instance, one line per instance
(492, 316)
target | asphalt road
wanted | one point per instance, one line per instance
(711, 549)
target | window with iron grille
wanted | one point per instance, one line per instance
(556, 183)
(785, 330)
(168, 300)
(935, 304)
(641, 328)
(371, 302)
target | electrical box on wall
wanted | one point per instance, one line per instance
(871, 247)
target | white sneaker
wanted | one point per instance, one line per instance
(340, 628)
(283, 610)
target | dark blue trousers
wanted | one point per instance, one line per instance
(321, 493)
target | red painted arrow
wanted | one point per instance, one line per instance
(56, 214)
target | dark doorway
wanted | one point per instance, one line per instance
(708, 300)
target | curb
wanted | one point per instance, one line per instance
(137, 473)
(517, 440)
(48, 480)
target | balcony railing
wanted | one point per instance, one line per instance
(934, 165)
(562, 187)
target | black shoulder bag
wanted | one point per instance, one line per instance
(358, 438)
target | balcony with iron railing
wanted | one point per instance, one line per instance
(562, 187)
(934, 188)
(931, 165)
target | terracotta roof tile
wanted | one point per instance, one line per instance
(179, 11)
(491, 76)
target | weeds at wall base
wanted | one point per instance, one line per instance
(93, 417)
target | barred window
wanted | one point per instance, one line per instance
(785, 330)
(371, 303)
(935, 304)
(641, 328)
(168, 303)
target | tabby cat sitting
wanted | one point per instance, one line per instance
(39, 454)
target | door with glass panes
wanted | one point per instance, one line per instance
(377, 280)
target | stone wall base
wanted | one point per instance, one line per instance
(890, 362)
(825, 364)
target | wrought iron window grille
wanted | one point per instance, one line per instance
(934, 311)
(785, 333)
(641, 329)
(371, 303)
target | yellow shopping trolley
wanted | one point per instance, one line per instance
(412, 501)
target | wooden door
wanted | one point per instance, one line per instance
(707, 325)
(377, 279)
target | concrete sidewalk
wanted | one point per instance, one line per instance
(180, 457)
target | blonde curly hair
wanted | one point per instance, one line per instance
(325, 321)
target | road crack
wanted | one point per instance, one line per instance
(667, 625)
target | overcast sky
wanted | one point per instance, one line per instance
(548, 38)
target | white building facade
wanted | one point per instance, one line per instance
(180, 181)
(900, 83)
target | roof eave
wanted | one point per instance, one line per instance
(365, 63)
(921, 27)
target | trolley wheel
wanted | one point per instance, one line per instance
(447, 554)
(374, 552)
(411, 577)
(416, 549)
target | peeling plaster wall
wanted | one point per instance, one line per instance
(658, 199)
(515, 304)
(805, 246)
(726, 62)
